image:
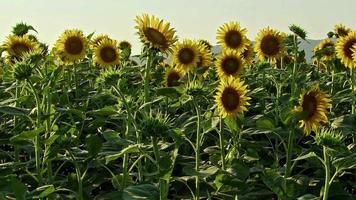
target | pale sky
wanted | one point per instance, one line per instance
(196, 19)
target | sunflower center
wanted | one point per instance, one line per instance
(342, 32)
(327, 45)
(172, 79)
(20, 48)
(348, 48)
(155, 37)
(74, 45)
(230, 99)
(245, 54)
(309, 105)
(270, 45)
(231, 65)
(233, 39)
(186, 55)
(108, 54)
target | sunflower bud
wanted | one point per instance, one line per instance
(22, 29)
(156, 126)
(298, 31)
(328, 137)
(108, 78)
(22, 71)
(33, 57)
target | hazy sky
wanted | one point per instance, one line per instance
(192, 18)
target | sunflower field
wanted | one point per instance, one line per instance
(254, 120)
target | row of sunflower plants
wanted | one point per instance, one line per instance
(85, 119)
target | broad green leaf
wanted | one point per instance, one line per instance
(142, 191)
(27, 135)
(130, 149)
(265, 123)
(14, 111)
(18, 188)
(93, 144)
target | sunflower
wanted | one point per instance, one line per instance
(94, 42)
(207, 44)
(186, 54)
(106, 53)
(229, 63)
(125, 45)
(269, 45)
(232, 36)
(327, 43)
(70, 47)
(172, 77)
(341, 30)
(344, 47)
(205, 56)
(315, 105)
(248, 54)
(155, 32)
(231, 97)
(17, 46)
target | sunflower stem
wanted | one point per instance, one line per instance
(288, 158)
(162, 184)
(17, 147)
(146, 82)
(295, 52)
(221, 143)
(327, 174)
(197, 152)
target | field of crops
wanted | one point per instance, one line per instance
(85, 119)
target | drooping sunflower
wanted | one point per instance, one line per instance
(186, 54)
(231, 36)
(315, 104)
(172, 77)
(106, 53)
(231, 98)
(229, 63)
(344, 47)
(17, 46)
(155, 32)
(269, 45)
(207, 44)
(70, 47)
(248, 54)
(95, 41)
(341, 30)
(327, 43)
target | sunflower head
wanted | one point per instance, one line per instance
(155, 33)
(341, 30)
(22, 71)
(269, 45)
(106, 53)
(108, 78)
(328, 137)
(17, 46)
(186, 54)
(22, 29)
(325, 48)
(314, 104)
(229, 63)
(34, 56)
(205, 56)
(231, 98)
(155, 126)
(232, 36)
(248, 54)
(172, 77)
(207, 44)
(297, 30)
(96, 40)
(344, 49)
(71, 46)
(125, 45)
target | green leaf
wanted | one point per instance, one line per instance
(265, 123)
(27, 135)
(168, 91)
(308, 155)
(130, 149)
(94, 144)
(13, 111)
(143, 191)
(18, 188)
(106, 111)
(50, 189)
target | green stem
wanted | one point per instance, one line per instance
(17, 147)
(197, 152)
(353, 91)
(221, 143)
(37, 143)
(288, 158)
(162, 184)
(295, 51)
(146, 82)
(327, 174)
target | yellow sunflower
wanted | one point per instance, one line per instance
(327, 43)
(269, 45)
(315, 104)
(248, 54)
(172, 77)
(344, 47)
(186, 54)
(231, 98)
(106, 53)
(155, 32)
(95, 41)
(341, 30)
(229, 63)
(17, 46)
(70, 47)
(205, 56)
(232, 36)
